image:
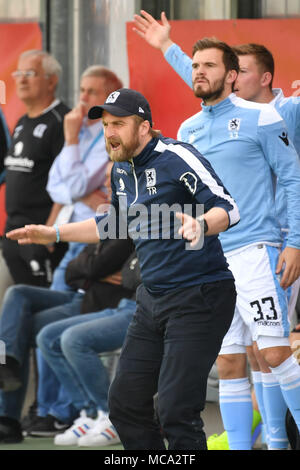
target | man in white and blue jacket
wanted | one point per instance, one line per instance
(186, 300)
(249, 147)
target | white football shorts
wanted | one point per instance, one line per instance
(262, 307)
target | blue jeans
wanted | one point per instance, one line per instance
(51, 397)
(58, 282)
(25, 311)
(72, 346)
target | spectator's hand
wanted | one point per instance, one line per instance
(190, 229)
(73, 122)
(154, 33)
(95, 199)
(289, 263)
(39, 234)
(55, 210)
(115, 279)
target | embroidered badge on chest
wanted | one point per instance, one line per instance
(234, 127)
(151, 180)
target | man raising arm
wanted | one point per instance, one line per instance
(225, 127)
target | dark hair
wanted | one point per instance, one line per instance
(263, 56)
(230, 59)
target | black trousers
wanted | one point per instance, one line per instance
(31, 264)
(171, 345)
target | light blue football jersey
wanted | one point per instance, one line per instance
(289, 109)
(248, 146)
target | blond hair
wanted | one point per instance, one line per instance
(112, 82)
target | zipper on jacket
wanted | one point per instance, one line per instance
(135, 180)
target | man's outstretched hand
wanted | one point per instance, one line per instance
(39, 234)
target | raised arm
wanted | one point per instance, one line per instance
(154, 33)
(157, 35)
(82, 232)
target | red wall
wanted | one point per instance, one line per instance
(14, 39)
(172, 101)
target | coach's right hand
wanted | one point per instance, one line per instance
(39, 234)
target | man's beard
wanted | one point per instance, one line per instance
(212, 94)
(125, 152)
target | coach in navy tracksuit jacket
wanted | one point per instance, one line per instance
(186, 301)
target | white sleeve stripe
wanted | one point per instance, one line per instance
(205, 176)
(195, 116)
(268, 114)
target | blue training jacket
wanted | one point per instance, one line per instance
(175, 175)
(289, 109)
(248, 146)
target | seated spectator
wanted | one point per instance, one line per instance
(77, 177)
(36, 141)
(77, 182)
(52, 400)
(27, 309)
(71, 348)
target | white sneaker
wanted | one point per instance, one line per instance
(80, 427)
(102, 434)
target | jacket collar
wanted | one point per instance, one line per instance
(146, 154)
(278, 95)
(219, 108)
